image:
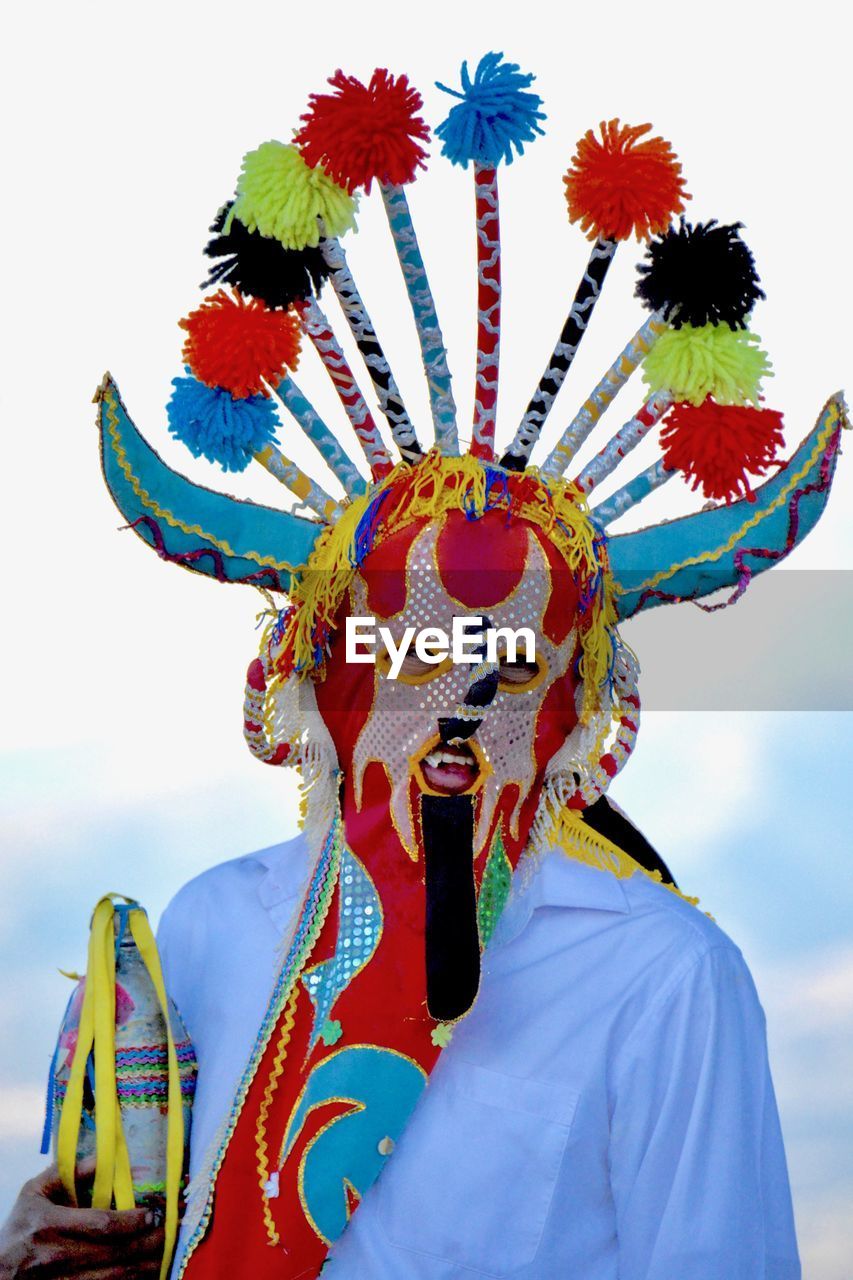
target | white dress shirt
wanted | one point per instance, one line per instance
(604, 1113)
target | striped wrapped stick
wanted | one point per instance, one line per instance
(390, 400)
(327, 444)
(318, 329)
(626, 439)
(306, 489)
(488, 312)
(433, 351)
(589, 289)
(603, 394)
(631, 493)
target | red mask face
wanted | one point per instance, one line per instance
(425, 576)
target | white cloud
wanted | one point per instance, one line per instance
(692, 780)
(826, 1235)
(21, 1111)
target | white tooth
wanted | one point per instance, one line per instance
(434, 758)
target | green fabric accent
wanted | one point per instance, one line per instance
(441, 1035)
(332, 1031)
(494, 889)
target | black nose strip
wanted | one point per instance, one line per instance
(481, 693)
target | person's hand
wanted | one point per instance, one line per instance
(46, 1237)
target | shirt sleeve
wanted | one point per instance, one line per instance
(698, 1167)
(179, 943)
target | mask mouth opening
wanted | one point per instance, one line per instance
(450, 770)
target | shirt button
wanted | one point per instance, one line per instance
(386, 1146)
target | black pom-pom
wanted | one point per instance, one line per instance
(702, 274)
(260, 267)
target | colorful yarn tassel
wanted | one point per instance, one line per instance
(702, 274)
(495, 117)
(282, 197)
(618, 185)
(259, 266)
(215, 425)
(716, 447)
(236, 431)
(709, 360)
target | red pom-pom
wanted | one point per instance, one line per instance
(620, 185)
(364, 132)
(715, 445)
(238, 344)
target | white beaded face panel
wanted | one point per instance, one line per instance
(403, 722)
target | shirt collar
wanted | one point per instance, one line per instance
(558, 881)
(278, 887)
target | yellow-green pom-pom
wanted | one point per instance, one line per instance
(281, 196)
(709, 360)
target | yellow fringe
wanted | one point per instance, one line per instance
(261, 1144)
(436, 485)
(579, 841)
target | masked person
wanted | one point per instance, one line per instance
(467, 974)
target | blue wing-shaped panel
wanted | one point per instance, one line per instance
(226, 538)
(698, 554)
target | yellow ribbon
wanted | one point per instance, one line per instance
(113, 1180)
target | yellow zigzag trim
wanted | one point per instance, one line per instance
(579, 841)
(261, 1144)
(109, 398)
(834, 415)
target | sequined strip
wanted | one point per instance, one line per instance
(311, 920)
(306, 489)
(612, 382)
(390, 401)
(554, 376)
(631, 493)
(315, 324)
(626, 439)
(433, 350)
(319, 434)
(488, 312)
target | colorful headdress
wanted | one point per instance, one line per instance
(276, 245)
(278, 242)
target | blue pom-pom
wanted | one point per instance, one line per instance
(214, 425)
(495, 114)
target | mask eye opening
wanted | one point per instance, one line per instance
(520, 676)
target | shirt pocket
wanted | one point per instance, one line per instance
(472, 1179)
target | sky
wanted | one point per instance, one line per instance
(123, 762)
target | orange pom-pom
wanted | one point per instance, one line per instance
(623, 184)
(240, 344)
(715, 445)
